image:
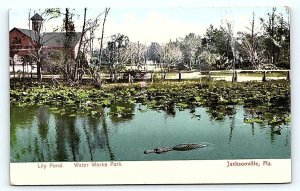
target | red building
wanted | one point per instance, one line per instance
(27, 42)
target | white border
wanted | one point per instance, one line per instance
(4, 85)
(152, 172)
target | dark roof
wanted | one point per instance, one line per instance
(57, 39)
(30, 33)
(37, 17)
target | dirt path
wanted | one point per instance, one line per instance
(240, 78)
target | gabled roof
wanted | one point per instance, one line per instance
(54, 39)
(37, 17)
(57, 39)
(30, 33)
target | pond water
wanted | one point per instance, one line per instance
(40, 134)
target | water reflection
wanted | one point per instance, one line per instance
(252, 128)
(67, 136)
(40, 134)
(90, 145)
(99, 138)
(42, 150)
(275, 131)
(105, 130)
(170, 110)
(232, 125)
(20, 117)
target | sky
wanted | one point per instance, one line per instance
(160, 25)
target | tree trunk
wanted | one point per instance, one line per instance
(79, 47)
(152, 77)
(14, 71)
(179, 75)
(264, 77)
(233, 67)
(199, 71)
(23, 67)
(101, 43)
(39, 74)
(31, 71)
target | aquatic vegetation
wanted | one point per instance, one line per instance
(264, 101)
(254, 120)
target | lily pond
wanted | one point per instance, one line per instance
(120, 121)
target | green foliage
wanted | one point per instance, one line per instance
(216, 51)
(53, 12)
(268, 98)
(190, 45)
(105, 102)
(265, 46)
(276, 38)
(254, 120)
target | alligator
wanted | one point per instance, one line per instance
(180, 147)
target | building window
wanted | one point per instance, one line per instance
(16, 41)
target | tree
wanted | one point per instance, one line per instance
(276, 38)
(38, 45)
(68, 63)
(85, 47)
(216, 41)
(57, 60)
(171, 54)
(134, 54)
(154, 52)
(116, 54)
(209, 58)
(252, 52)
(13, 50)
(190, 44)
(27, 60)
(233, 46)
(97, 75)
(83, 32)
(250, 46)
(63, 59)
